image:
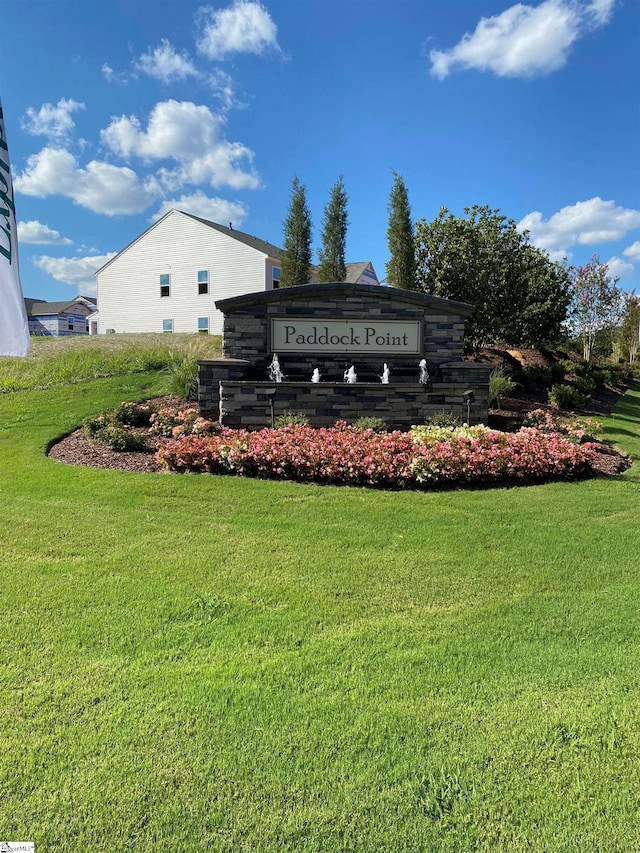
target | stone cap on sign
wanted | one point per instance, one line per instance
(225, 362)
(379, 293)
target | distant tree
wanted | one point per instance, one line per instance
(596, 303)
(332, 265)
(519, 295)
(295, 267)
(630, 329)
(401, 266)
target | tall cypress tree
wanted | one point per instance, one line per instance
(334, 236)
(296, 258)
(401, 267)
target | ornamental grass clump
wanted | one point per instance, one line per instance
(500, 385)
(426, 457)
(371, 422)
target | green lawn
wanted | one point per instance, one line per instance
(216, 664)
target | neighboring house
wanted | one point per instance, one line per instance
(171, 276)
(358, 273)
(60, 318)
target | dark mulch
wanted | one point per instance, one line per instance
(78, 449)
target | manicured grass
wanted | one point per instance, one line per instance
(219, 664)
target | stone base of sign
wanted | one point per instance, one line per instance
(248, 404)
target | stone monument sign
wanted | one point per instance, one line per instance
(343, 351)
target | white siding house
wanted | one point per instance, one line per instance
(171, 276)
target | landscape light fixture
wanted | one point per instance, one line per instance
(469, 397)
(270, 393)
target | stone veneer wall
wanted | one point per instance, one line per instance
(246, 404)
(213, 371)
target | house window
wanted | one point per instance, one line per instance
(70, 324)
(275, 277)
(167, 325)
(203, 282)
(203, 325)
(165, 284)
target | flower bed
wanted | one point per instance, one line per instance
(347, 455)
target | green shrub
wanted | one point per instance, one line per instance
(540, 375)
(585, 385)
(133, 414)
(582, 367)
(605, 375)
(92, 426)
(444, 418)
(371, 422)
(566, 397)
(499, 386)
(118, 437)
(291, 419)
(567, 365)
(621, 372)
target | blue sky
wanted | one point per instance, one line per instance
(118, 110)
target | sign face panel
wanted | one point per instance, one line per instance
(385, 337)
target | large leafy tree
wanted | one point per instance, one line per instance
(401, 266)
(596, 303)
(630, 329)
(296, 258)
(520, 296)
(332, 265)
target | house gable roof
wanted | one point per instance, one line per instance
(253, 242)
(248, 240)
(354, 271)
(40, 308)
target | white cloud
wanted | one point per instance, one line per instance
(190, 135)
(633, 251)
(52, 121)
(112, 76)
(35, 232)
(244, 27)
(165, 64)
(619, 268)
(585, 223)
(600, 11)
(99, 186)
(523, 41)
(224, 88)
(215, 209)
(79, 272)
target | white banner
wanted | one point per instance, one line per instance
(14, 328)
